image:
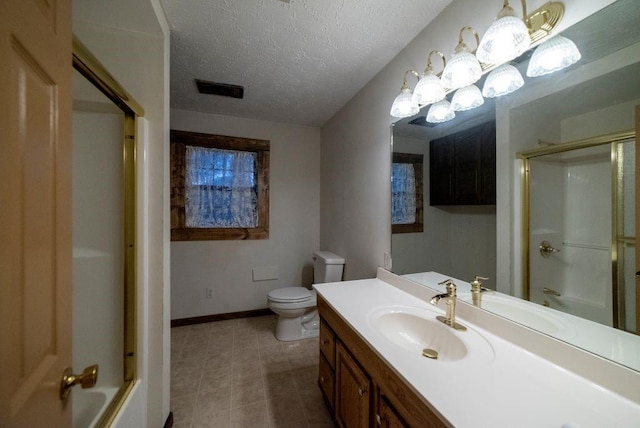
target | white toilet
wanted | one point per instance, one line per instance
(296, 306)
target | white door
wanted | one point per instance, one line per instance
(35, 211)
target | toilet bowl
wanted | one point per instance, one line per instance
(296, 306)
(296, 309)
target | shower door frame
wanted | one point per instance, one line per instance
(95, 73)
(526, 157)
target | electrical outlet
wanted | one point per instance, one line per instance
(388, 263)
(209, 292)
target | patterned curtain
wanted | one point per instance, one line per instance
(403, 191)
(221, 188)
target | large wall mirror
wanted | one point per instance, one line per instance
(573, 132)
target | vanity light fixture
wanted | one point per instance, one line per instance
(429, 88)
(404, 105)
(553, 55)
(502, 81)
(463, 69)
(440, 112)
(467, 98)
(507, 37)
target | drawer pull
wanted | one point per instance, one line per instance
(322, 379)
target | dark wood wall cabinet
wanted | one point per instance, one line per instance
(360, 389)
(463, 167)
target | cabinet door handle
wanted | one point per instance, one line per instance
(322, 379)
(361, 392)
(378, 420)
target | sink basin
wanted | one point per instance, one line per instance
(415, 333)
(415, 329)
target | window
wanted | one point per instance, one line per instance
(406, 193)
(219, 187)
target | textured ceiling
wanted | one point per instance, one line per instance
(300, 61)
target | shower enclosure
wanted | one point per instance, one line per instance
(104, 239)
(579, 228)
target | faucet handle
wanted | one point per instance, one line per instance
(450, 286)
(476, 284)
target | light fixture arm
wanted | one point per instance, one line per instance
(404, 79)
(429, 67)
(461, 45)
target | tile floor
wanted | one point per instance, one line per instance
(237, 374)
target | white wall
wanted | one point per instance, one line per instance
(131, 39)
(294, 224)
(429, 250)
(355, 218)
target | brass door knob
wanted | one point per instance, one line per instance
(87, 379)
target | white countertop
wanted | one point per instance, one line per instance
(515, 388)
(611, 343)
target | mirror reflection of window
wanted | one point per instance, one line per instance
(403, 194)
(406, 193)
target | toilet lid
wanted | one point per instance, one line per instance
(289, 294)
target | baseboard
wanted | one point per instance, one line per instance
(220, 317)
(169, 422)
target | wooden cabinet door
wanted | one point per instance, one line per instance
(387, 416)
(463, 167)
(441, 171)
(488, 164)
(35, 211)
(353, 391)
(466, 164)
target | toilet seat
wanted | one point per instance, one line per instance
(290, 295)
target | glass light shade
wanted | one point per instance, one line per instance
(502, 81)
(506, 39)
(440, 112)
(403, 105)
(553, 55)
(463, 69)
(429, 90)
(467, 98)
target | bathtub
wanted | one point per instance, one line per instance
(90, 404)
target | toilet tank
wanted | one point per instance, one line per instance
(327, 267)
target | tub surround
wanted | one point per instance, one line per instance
(532, 379)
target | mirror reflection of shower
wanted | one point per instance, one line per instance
(582, 232)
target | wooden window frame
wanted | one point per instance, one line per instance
(179, 141)
(417, 160)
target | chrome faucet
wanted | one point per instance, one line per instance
(450, 298)
(477, 289)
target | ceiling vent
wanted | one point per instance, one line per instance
(222, 89)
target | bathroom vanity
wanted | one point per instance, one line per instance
(358, 385)
(372, 371)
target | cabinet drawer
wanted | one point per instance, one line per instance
(328, 343)
(326, 380)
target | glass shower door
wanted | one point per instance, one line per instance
(581, 232)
